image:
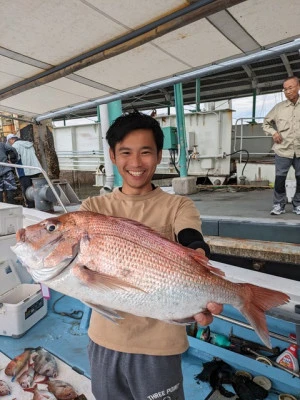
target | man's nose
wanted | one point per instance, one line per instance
(136, 159)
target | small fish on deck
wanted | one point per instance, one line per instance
(44, 363)
(16, 364)
(115, 264)
(4, 388)
(62, 390)
(26, 378)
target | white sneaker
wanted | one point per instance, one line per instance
(296, 210)
(278, 209)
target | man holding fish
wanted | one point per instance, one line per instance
(138, 258)
(140, 358)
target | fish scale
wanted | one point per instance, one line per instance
(115, 264)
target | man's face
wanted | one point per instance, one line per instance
(136, 158)
(291, 90)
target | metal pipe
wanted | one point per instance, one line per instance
(214, 68)
(254, 105)
(45, 176)
(211, 156)
(244, 325)
(198, 94)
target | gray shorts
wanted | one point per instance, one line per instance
(126, 376)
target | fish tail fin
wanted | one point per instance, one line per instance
(257, 300)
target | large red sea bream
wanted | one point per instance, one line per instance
(115, 264)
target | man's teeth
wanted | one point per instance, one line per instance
(135, 173)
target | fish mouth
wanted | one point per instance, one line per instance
(34, 260)
(46, 274)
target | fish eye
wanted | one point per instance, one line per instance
(51, 228)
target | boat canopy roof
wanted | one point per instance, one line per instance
(61, 57)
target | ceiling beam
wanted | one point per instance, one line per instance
(233, 31)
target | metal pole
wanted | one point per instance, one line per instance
(98, 114)
(180, 128)
(114, 111)
(198, 91)
(254, 106)
(109, 167)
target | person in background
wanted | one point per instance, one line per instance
(27, 157)
(283, 123)
(7, 179)
(140, 358)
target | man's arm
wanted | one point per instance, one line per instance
(269, 126)
(193, 239)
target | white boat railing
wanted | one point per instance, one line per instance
(239, 124)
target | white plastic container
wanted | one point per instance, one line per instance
(21, 304)
(11, 218)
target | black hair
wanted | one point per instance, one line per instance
(132, 121)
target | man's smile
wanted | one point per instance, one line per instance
(136, 173)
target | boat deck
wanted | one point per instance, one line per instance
(66, 339)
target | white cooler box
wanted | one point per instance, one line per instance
(11, 218)
(21, 304)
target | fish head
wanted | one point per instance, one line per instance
(48, 247)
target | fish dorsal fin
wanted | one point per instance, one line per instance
(203, 261)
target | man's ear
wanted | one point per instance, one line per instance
(112, 155)
(159, 156)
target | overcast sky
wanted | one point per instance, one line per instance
(242, 108)
(264, 103)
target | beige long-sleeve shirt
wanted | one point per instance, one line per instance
(284, 118)
(167, 214)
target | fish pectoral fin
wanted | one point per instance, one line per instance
(100, 280)
(108, 313)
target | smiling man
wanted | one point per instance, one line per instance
(283, 123)
(140, 358)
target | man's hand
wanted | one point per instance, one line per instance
(206, 317)
(277, 138)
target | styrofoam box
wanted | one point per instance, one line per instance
(21, 304)
(11, 218)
